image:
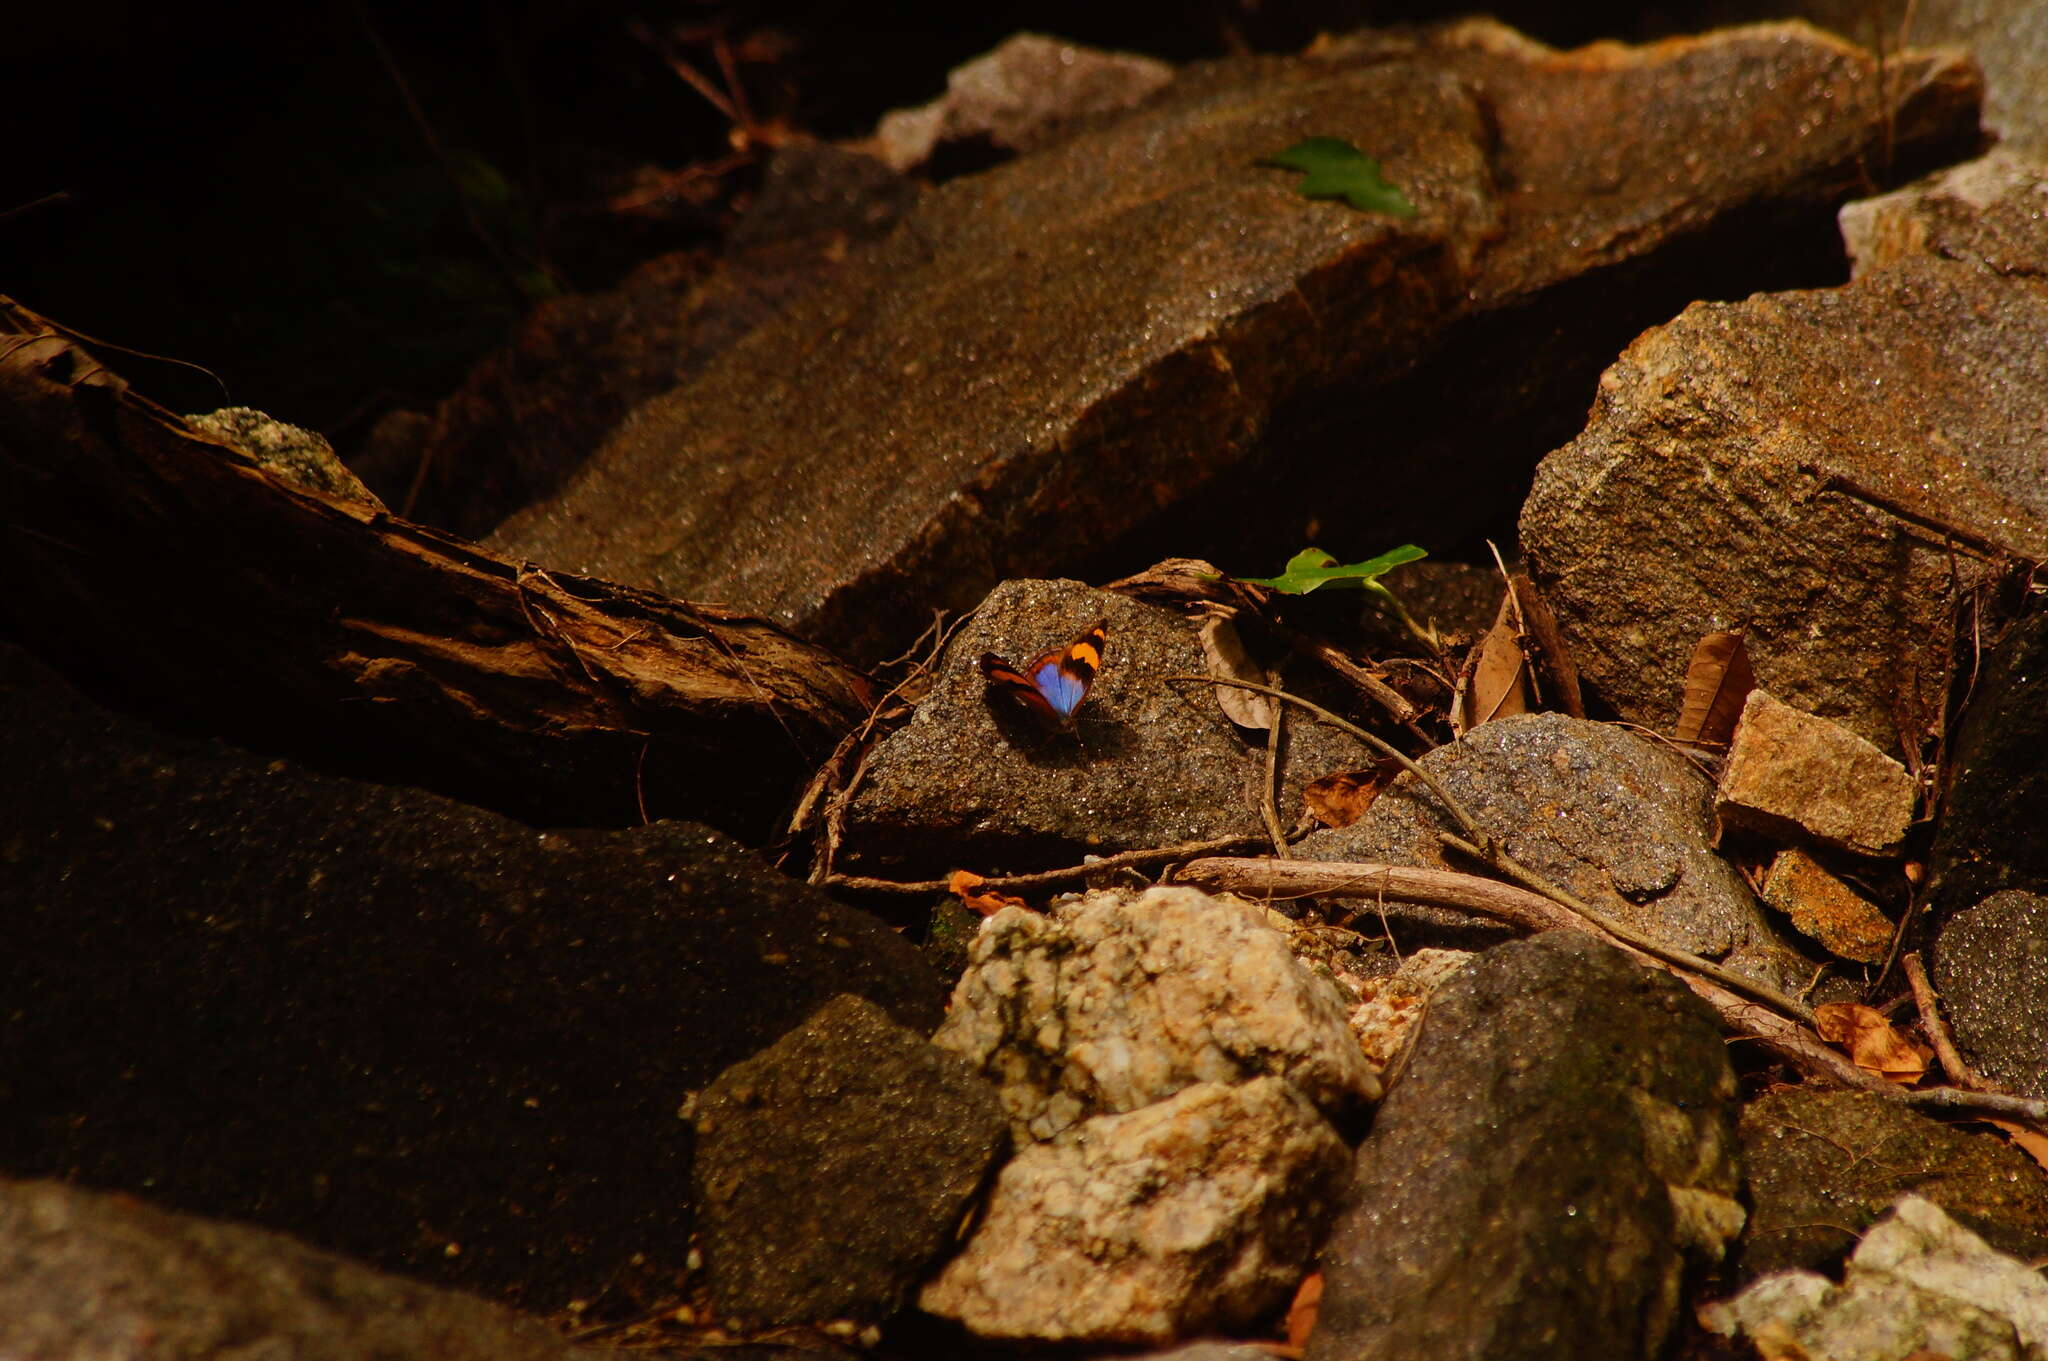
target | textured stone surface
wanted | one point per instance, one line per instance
(835, 1165)
(303, 458)
(1987, 211)
(86, 1276)
(1823, 1166)
(1020, 95)
(1920, 1285)
(1195, 1214)
(1794, 775)
(973, 780)
(1734, 468)
(530, 413)
(1994, 825)
(1119, 1001)
(428, 1036)
(1393, 1006)
(1827, 908)
(2008, 38)
(1108, 340)
(1991, 967)
(1561, 1141)
(1620, 820)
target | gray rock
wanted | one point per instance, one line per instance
(1792, 775)
(1120, 1001)
(1987, 211)
(1803, 461)
(1197, 1213)
(1991, 969)
(1020, 95)
(1994, 825)
(301, 457)
(1823, 1166)
(1562, 1140)
(1108, 340)
(1620, 820)
(974, 780)
(87, 1276)
(397, 1026)
(835, 1165)
(1919, 1285)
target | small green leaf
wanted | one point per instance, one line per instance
(1312, 567)
(1334, 168)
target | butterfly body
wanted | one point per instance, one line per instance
(1053, 686)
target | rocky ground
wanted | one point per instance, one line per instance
(661, 904)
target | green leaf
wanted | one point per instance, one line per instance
(1312, 568)
(1336, 169)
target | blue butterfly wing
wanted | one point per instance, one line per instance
(1062, 689)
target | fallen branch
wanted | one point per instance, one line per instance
(1952, 1062)
(175, 568)
(1072, 874)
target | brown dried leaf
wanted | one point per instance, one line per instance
(1224, 652)
(1185, 584)
(1341, 797)
(2034, 1145)
(1870, 1041)
(962, 885)
(1717, 682)
(1495, 682)
(1301, 1315)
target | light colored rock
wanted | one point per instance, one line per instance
(1120, 1001)
(1827, 908)
(1918, 1284)
(1386, 1018)
(1791, 774)
(1017, 96)
(289, 453)
(1197, 1213)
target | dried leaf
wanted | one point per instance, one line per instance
(1553, 660)
(962, 883)
(1870, 1041)
(1341, 798)
(1716, 684)
(1301, 1315)
(1495, 682)
(2034, 1145)
(1224, 652)
(1182, 584)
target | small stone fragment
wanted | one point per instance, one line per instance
(1386, 1018)
(1827, 908)
(1792, 774)
(1018, 96)
(833, 1167)
(1198, 1213)
(1920, 1284)
(289, 453)
(1120, 1001)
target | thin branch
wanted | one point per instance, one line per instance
(1269, 792)
(2020, 1110)
(1156, 855)
(1379, 744)
(1952, 1063)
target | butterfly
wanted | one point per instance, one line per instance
(1053, 686)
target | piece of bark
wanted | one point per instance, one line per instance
(171, 570)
